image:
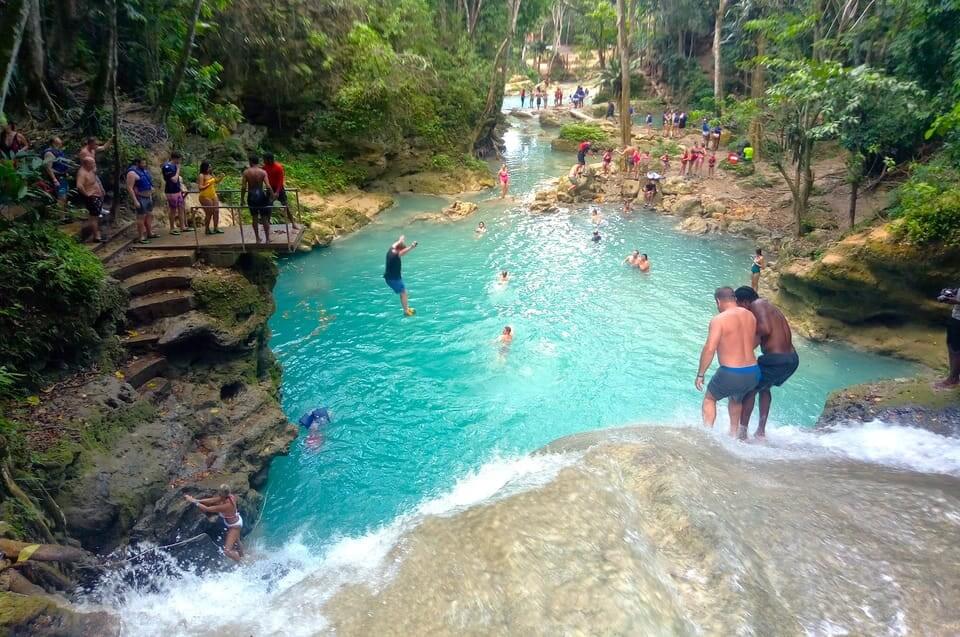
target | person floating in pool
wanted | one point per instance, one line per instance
(778, 361)
(758, 265)
(732, 337)
(391, 271)
(643, 263)
(481, 228)
(224, 504)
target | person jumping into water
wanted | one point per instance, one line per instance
(391, 272)
(778, 360)
(224, 504)
(732, 337)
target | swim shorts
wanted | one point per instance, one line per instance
(582, 159)
(953, 334)
(396, 285)
(775, 369)
(146, 205)
(175, 200)
(93, 205)
(281, 196)
(734, 382)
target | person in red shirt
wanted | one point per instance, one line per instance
(276, 177)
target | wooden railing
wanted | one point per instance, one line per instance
(236, 215)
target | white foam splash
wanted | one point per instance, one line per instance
(256, 597)
(876, 442)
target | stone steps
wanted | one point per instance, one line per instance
(141, 340)
(119, 241)
(137, 262)
(150, 307)
(144, 368)
(159, 280)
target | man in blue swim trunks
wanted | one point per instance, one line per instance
(391, 271)
(732, 338)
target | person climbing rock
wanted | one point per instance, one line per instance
(224, 504)
(392, 274)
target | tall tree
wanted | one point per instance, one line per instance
(792, 125)
(14, 14)
(717, 58)
(483, 132)
(37, 61)
(623, 46)
(471, 10)
(170, 95)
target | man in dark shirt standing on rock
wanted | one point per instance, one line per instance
(391, 271)
(778, 362)
(952, 297)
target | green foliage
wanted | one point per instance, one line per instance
(584, 132)
(195, 109)
(321, 172)
(55, 305)
(740, 169)
(928, 205)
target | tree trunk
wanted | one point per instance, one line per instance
(166, 102)
(37, 61)
(14, 16)
(626, 126)
(757, 89)
(717, 37)
(115, 204)
(854, 191)
(101, 81)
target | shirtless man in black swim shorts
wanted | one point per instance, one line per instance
(732, 338)
(255, 189)
(779, 360)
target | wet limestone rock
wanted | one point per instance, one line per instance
(460, 209)
(630, 188)
(550, 119)
(700, 225)
(687, 206)
(675, 185)
(41, 616)
(905, 401)
(522, 114)
(875, 276)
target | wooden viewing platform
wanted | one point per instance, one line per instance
(229, 241)
(238, 235)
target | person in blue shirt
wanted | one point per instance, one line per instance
(313, 420)
(140, 189)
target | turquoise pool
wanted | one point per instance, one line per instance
(418, 402)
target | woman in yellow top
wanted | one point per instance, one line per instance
(207, 184)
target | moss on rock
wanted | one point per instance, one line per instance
(228, 297)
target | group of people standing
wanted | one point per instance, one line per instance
(262, 186)
(538, 97)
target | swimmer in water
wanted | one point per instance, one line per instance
(596, 236)
(632, 258)
(314, 436)
(506, 336)
(643, 263)
(595, 216)
(504, 277)
(225, 505)
(481, 228)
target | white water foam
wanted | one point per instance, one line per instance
(875, 442)
(256, 599)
